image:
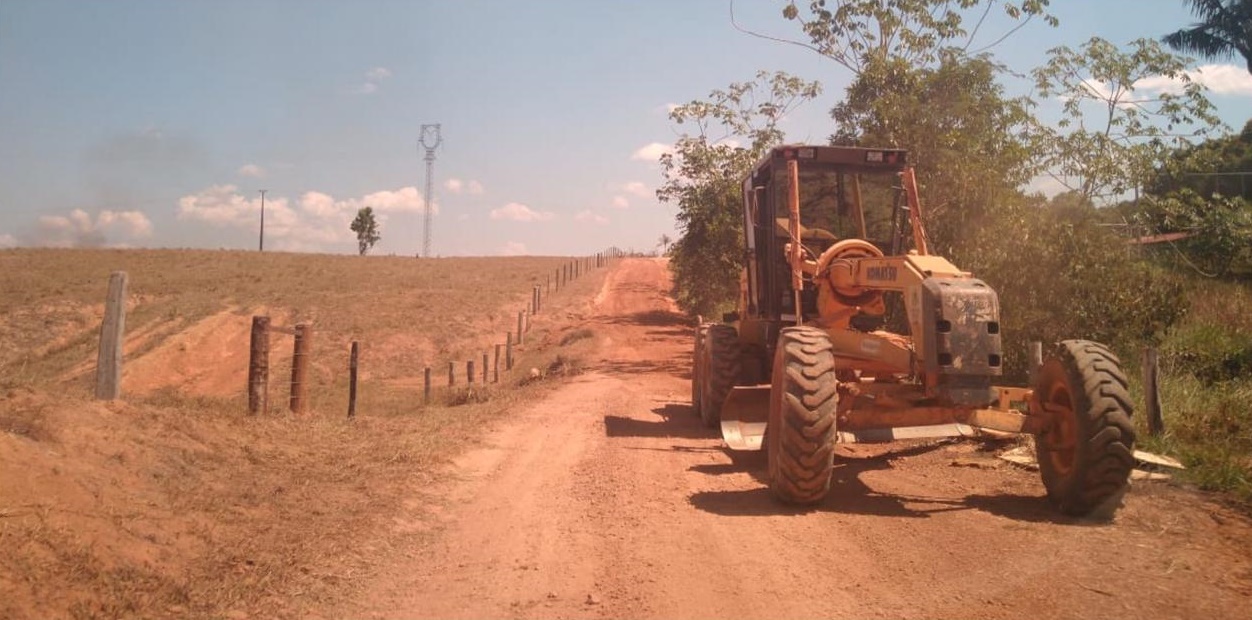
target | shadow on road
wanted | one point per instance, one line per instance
(652, 318)
(683, 425)
(850, 495)
(678, 367)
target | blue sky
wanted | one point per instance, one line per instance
(154, 123)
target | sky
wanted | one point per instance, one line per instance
(155, 123)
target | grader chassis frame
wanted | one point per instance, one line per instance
(798, 367)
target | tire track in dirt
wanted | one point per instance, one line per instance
(609, 499)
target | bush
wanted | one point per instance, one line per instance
(1060, 275)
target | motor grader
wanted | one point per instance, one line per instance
(849, 330)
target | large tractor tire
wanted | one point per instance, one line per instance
(697, 367)
(1085, 453)
(720, 371)
(803, 402)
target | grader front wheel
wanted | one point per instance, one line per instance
(719, 371)
(803, 402)
(1085, 452)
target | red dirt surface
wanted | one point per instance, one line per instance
(608, 499)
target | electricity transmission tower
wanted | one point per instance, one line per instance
(430, 140)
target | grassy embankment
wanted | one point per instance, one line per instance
(175, 502)
(1206, 389)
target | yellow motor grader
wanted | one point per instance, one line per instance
(849, 330)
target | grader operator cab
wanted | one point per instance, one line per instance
(849, 330)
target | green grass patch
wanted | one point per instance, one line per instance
(1206, 390)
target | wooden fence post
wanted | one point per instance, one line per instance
(451, 374)
(1151, 392)
(259, 366)
(1036, 360)
(426, 390)
(508, 354)
(112, 332)
(484, 369)
(496, 366)
(469, 372)
(352, 360)
(300, 366)
(520, 325)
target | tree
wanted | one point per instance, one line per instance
(732, 129)
(1224, 29)
(1220, 165)
(664, 243)
(857, 34)
(366, 228)
(968, 142)
(1132, 131)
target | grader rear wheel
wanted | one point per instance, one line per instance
(719, 372)
(803, 400)
(697, 367)
(1086, 453)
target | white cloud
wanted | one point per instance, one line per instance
(588, 216)
(8, 241)
(1220, 79)
(219, 205)
(317, 222)
(620, 202)
(1047, 185)
(251, 170)
(130, 223)
(513, 248)
(373, 77)
(637, 188)
(403, 200)
(651, 152)
(79, 229)
(519, 212)
(459, 186)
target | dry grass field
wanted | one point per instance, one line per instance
(173, 501)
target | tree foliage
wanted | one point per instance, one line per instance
(1219, 229)
(1224, 30)
(729, 131)
(1220, 165)
(967, 140)
(1113, 134)
(858, 34)
(366, 228)
(1060, 275)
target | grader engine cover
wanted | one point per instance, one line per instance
(962, 338)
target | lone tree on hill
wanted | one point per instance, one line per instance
(366, 228)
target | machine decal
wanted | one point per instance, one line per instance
(884, 273)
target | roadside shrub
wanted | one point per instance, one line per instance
(467, 395)
(1060, 275)
(576, 335)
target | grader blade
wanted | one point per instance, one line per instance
(744, 416)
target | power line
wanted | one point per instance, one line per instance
(430, 140)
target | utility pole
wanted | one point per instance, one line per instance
(430, 140)
(261, 247)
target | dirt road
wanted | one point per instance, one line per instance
(608, 499)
